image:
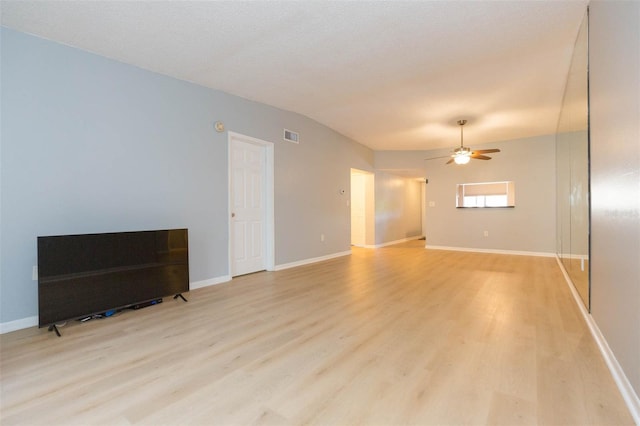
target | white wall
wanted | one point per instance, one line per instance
(363, 215)
(614, 59)
(370, 206)
(358, 208)
(529, 227)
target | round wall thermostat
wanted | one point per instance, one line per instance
(219, 126)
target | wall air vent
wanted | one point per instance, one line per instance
(290, 136)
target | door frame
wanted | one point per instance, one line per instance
(369, 206)
(268, 197)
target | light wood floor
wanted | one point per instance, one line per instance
(397, 335)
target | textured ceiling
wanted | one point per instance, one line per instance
(392, 75)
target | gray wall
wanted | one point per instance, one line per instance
(93, 145)
(530, 226)
(397, 208)
(614, 57)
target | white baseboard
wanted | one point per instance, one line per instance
(494, 251)
(211, 281)
(576, 256)
(624, 386)
(390, 243)
(19, 324)
(312, 260)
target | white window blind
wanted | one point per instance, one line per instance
(486, 194)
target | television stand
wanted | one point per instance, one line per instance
(53, 327)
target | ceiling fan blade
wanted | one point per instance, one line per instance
(481, 157)
(449, 162)
(485, 151)
(436, 158)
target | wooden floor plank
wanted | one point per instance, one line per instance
(397, 335)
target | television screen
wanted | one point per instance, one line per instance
(83, 275)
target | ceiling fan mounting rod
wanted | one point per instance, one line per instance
(461, 123)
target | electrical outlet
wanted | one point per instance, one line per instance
(34, 273)
(486, 233)
(322, 238)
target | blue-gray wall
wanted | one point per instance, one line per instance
(93, 145)
(529, 227)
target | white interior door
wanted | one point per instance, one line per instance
(248, 173)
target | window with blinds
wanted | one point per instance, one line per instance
(486, 194)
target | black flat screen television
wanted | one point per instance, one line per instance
(89, 274)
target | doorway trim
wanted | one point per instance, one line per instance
(268, 194)
(366, 194)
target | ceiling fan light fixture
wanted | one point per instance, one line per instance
(461, 159)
